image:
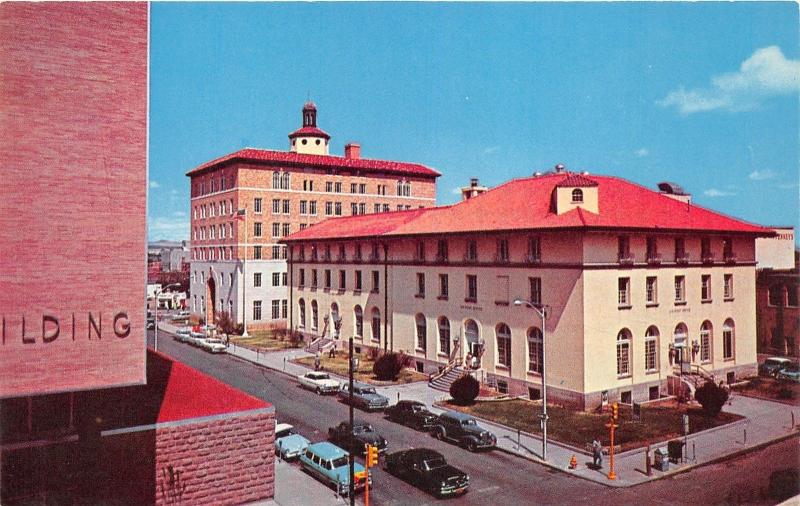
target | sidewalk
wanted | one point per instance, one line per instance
(765, 421)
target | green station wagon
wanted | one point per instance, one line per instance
(331, 465)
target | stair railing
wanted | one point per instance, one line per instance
(452, 363)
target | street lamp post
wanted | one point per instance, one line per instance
(541, 310)
(155, 322)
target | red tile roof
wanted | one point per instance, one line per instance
(573, 180)
(309, 131)
(289, 158)
(525, 204)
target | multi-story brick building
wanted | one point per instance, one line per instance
(640, 286)
(277, 193)
(777, 291)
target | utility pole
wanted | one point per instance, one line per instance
(352, 491)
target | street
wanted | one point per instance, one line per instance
(496, 477)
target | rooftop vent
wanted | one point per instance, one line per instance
(671, 188)
(560, 168)
(473, 182)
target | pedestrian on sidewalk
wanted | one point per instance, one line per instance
(597, 454)
(468, 360)
(317, 359)
(332, 353)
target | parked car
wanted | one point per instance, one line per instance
(364, 397)
(320, 382)
(463, 430)
(772, 365)
(213, 345)
(289, 444)
(331, 465)
(356, 438)
(427, 470)
(789, 373)
(196, 338)
(151, 324)
(411, 413)
(182, 334)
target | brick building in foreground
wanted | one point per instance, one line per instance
(640, 286)
(281, 192)
(87, 415)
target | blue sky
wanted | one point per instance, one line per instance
(702, 94)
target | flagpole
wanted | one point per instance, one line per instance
(244, 278)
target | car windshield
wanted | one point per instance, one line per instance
(319, 376)
(416, 408)
(340, 462)
(792, 368)
(434, 463)
(368, 390)
(774, 361)
(469, 421)
(358, 429)
(285, 432)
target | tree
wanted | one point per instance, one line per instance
(226, 323)
(389, 365)
(712, 397)
(465, 390)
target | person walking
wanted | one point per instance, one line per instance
(597, 454)
(317, 359)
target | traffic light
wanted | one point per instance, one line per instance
(615, 411)
(372, 456)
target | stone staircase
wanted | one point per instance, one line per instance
(320, 344)
(443, 383)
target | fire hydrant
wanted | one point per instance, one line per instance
(573, 463)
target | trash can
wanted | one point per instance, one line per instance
(661, 457)
(675, 448)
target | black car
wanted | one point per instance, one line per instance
(464, 430)
(412, 413)
(426, 469)
(355, 440)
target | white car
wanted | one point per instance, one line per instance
(289, 444)
(213, 345)
(320, 382)
(182, 334)
(196, 338)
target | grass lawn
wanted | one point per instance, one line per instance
(364, 373)
(263, 340)
(577, 428)
(770, 388)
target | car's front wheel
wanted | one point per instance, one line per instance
(471, 446)
(319, 391)
(439, 434)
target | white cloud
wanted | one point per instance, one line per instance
(172, 229)
(179, 213)
(154, 184)
(760, 175)
(713, 192)
(456, 191)
(642, 152)
(491, 150)
(767, 72)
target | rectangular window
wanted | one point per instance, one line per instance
(536, 290)
(705, 287)
(284, 309)
(385, 208)
(284, 278)
(650, 363)
(441, 250)
(276, 230)
(680, 250)
(791, 294)
(421, 251)
(286, 206)
(358, 284)
(303, 226)
(276, 309)
(624, 292)
(328, 208)
(472, 251)
(421, 285)
(257, 205)
(327, 279)
(727, 342)
(337, 209)
(337, 187)
(362, 188)
(727, 291)
(444, 289)
(342, 279)
(354, 209)
(534, 249)
(329, 186)
(256, 279)
(652, 250)
(302, 278)
(680, 289)
(276, 279)
(502, 250)
(285, 229)
(651, 290)
(376, 208)
(256, 310)
(312, 207)
(353, 187)
(624, 249)
(472, 288)
(257, 229)
(276, 206)
(376, 281)
(256, 252)
(303, 207)
(362, 208)
(314, 279)
(276, 252)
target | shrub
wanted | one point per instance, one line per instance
(464, 390)
(389, 365)
(712, 397)
(295, 339)
(785, 393)
(225, 322)
(373, 354)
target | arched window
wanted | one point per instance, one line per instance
(706, 341)
(577, 195)
(728, 339)
(535, 350)
(651, 349)
(285, 181)
(624, 353)
(422, 331)
(503, 344)
(301, 313)
(358, 316)
(314, 315)
(376, 324)
(276, 180)
(334, 317)
(444, 335)
(472, 333)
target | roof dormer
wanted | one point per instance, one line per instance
(576, 190)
